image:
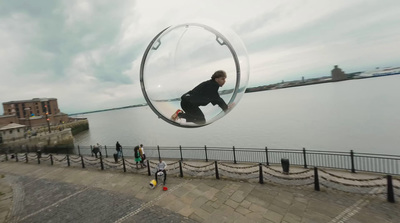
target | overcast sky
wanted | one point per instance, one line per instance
(87, 54)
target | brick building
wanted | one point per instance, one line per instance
(338, 74)
(32, 113)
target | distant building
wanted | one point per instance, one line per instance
(34, 112)
(338, 74)
(12, 131)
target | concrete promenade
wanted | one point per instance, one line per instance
(42, 193)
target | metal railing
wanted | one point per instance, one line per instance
(352, 161)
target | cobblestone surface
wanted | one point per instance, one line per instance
(42, 200)
(44, 193)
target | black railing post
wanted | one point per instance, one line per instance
(205, 150)
(158, 149)
(6, 156)
(216, 170)
(266, 154)
(38, 158)
(316, 179)
(79, 150)
(105, 148)
(16, 157)
(261, 181)
(51, 159)
(83, 163)
(180, 169)
(180, 150)
(91, 150)
(305, 157)
(123, 164)
(68, 162)
(353, 170)
(234, 155)
(101, 162)
(390, 193)
(26, 157)
(148, 167)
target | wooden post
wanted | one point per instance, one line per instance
(234, 155)
(353, 170)
(316, 179)
(205, 150)
(261, 179)
(305, 157)
(101, 162)
(83, 163)
(180, 169)
(180, 150)
(123, 164)
(148, 167)
(390, 192)
(216, 170)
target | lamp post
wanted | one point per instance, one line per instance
(47, 119)
(28, 114)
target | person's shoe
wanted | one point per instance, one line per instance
(174, 117)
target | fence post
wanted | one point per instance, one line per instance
(51, 159)
(205, 149)
(26, 157)
(6, 156)
(83, 163)
(353, 170)
(91, 150)
(390, 193)
(180, 150)
(16, 157)
(316, 179)
(180, 169)
(234, 155)
(105, 148)
(158, 149)
(69, 164)
(123, 164)
(305, 158)
(101, 162)
(148, 167)
(266, 154)
(38, 158)
(261, 181)
(79, 150)
(216, 170)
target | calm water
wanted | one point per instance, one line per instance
(359, 115)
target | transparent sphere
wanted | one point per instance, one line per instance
(181, 57)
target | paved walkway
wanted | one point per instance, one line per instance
(42, 193)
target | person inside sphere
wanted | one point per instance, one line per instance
(202, 95)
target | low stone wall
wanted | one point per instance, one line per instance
(62, 139)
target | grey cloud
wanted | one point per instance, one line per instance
(56, 43)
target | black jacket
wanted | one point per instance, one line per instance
(205, 93)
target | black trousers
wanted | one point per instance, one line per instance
(192, 112)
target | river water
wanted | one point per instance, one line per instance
(360, 115)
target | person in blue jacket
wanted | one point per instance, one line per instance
(202, 95)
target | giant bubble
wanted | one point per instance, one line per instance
(182, 56)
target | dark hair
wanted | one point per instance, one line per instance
(136, 151)
(218, 74)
